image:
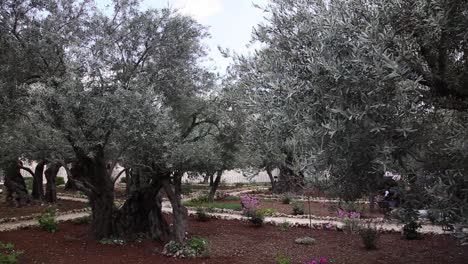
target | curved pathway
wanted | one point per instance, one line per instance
(227, 216)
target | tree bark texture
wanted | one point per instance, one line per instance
(16, 191)
(51, 188)
(38, 188)
(215, 186)
(179, 212)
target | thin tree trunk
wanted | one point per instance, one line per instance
(179, 212)
(212, 179)
(214, 187)
(38, 188)
(272, 179)
(51, 188)
(16, 191)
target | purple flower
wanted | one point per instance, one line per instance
(312, 262)
(322, 260)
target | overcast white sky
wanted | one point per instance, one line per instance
(230, 22)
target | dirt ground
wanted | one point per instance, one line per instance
(234, 242)
(6, 211)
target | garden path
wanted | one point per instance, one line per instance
(386, 226)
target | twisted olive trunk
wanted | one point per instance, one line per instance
(16, 191)
(38, 188)
(51, 188)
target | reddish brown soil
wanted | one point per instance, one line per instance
(7, 211)
(233, 242)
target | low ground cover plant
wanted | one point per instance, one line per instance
(194, 247)
(8, 254)
(282, 259)
(286, 199)
(410, 230)
(201, 215)
(202, 201)
(298, 208)
(48, 222)
(285, 226)
(369, 236)
(268, 211)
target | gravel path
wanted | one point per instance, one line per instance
(272, 220)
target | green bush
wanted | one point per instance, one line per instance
(59, 181)
(48, 222)
(123, 180)
(410, 230)
(201, 215)
(268, 211)
(8, 254)
(84, 220)
(194, 247)
(282, 259)
(200, 246)
(286, 199)
(298, 209)
(284, 226)
(370, 237)
(256, 218)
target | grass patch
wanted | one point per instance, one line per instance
(232, 198)
(219, 205)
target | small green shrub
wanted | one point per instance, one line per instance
(286, 199)
(268, 211)
(123, 180)
(59, 181)
(410, 230)
(200, 246)
(305, 240)
(48, 222)
(298, 209)
(285, 226)
(8, 254)
(369, 237)
(257, 218)
(84, 220)
(282, 259)
(172, 247)
(201, 215)
(194, 247)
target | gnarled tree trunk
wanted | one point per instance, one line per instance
(51, 188)
(38, 188)
(142, 213)
(95, 181)
(16, 191)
